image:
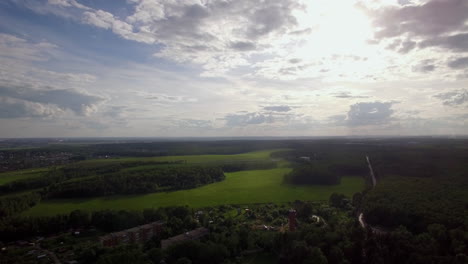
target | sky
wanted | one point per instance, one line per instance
(216, 68)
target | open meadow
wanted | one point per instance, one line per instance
(244, 187)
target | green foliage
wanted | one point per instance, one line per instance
(312, 174)
(10, 205)
(338, 200)
(170, 178)
(417, 202)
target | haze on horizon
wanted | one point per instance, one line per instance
(84, 68)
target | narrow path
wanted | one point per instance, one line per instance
(361, 219)
(362, 222)
(374, 180)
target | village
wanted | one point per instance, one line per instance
(62, 248)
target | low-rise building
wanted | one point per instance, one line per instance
(191, 235)
(138, 234)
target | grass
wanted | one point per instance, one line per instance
(249, 156)
(245, 187)
(7, 177)
(10, 176)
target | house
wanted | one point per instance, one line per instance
(191, 235)
(137, 234)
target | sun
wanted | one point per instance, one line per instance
(337, 27)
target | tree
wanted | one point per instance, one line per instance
(336, 200)
(316, 257)
(184, 260)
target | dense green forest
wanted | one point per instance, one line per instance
(312, 174)
(134, 182)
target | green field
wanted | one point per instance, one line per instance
(10, 176)
(245, 187)
(250, 156)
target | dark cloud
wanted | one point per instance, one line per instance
(271, 16)
(75, 101)
(453, 98)
(407, 46)
(402, 46)
(369, 113)
(243, 45)
(459, 63)
(424, 66)
(234, 120)
(294, 61)
(456, 43)
(279, 108)
(185, 23)
(435, 23)
(433, 18)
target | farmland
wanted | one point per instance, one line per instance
(244, 187)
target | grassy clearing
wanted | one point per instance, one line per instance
(245, 187)
(250, 156)
(10, 176)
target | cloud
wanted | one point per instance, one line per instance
(243, 45)
(192, 31)
(17, 108)
(402, 46)
(432, 18)
(234, 120)
(459, 63)
(294, 61)
(20, 49)
(424, 66)
(188, 123)
(77, 102)
(106, 20)
(348, 95)
(366, 113)
(455, 43)
(279, 108)
(164, 98)
(453, 98)
(433, 23)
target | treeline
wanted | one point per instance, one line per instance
(10, 205)
(312, 174)
(247, 165)
(57, 175)
(128, 182)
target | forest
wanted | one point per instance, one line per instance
(155, 180)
